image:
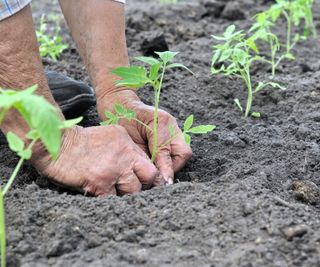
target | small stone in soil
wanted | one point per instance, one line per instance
(232, 11)
(306, 191)
(292, 231)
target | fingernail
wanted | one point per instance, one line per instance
(169, 181)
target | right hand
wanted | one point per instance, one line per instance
(100, 161)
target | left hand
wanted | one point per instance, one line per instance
(172, 156)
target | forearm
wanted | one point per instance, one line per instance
(20, 64)
(98, 27)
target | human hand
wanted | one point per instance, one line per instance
(171, 156)
(100, 161)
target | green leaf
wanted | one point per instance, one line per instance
(167, 56)
(187, 138)
(178, 65)
(202, 129)
(230, 30)
(15, 142)
(148, 60)
(215, 57)
(119, 109)
(256, 114)
(43, 117)
(66, 124)
(130, 115)
(154, 71)
(188, 123)
(25, 154)
(33, 135)
(132, 77)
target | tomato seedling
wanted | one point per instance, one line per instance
(45, 125)
(294, 12)
(51, 46)
(137, 77)
(233, 58)
(261, 30)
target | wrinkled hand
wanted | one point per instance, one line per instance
(99, 160)
(172, 156)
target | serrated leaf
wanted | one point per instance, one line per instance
(148, 60)
(119, 109)
(167, 56)
(178, 65)
(133, 77)
(130, 115)
(109, 114)
(188, 123)
(15, 142)
(202, 129)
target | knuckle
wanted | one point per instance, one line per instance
(187, 153)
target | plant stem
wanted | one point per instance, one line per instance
(2, 230)
(143, 124)
(157, 91)
(15, 171)
(249, 90)
(288, 31)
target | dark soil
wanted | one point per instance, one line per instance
(250, 194)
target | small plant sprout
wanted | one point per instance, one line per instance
(51, 46)
(294, 12)
(233, 58)
(137, 77)
(45, 125)
(261, 30)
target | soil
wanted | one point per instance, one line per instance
(248, 197)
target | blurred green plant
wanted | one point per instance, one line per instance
(294, 13)
(233, 58)
(45, 125)
(51, 46)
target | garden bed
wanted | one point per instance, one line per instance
(248, 197)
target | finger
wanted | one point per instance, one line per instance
(147, 173)
(180, 153)
(94, 190)
(165, 165)
(128, 184)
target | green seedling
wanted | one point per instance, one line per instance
(137, 77)
(294, 12)
(261, 30)
(51, 46)
(234, 58)
(45, 125)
